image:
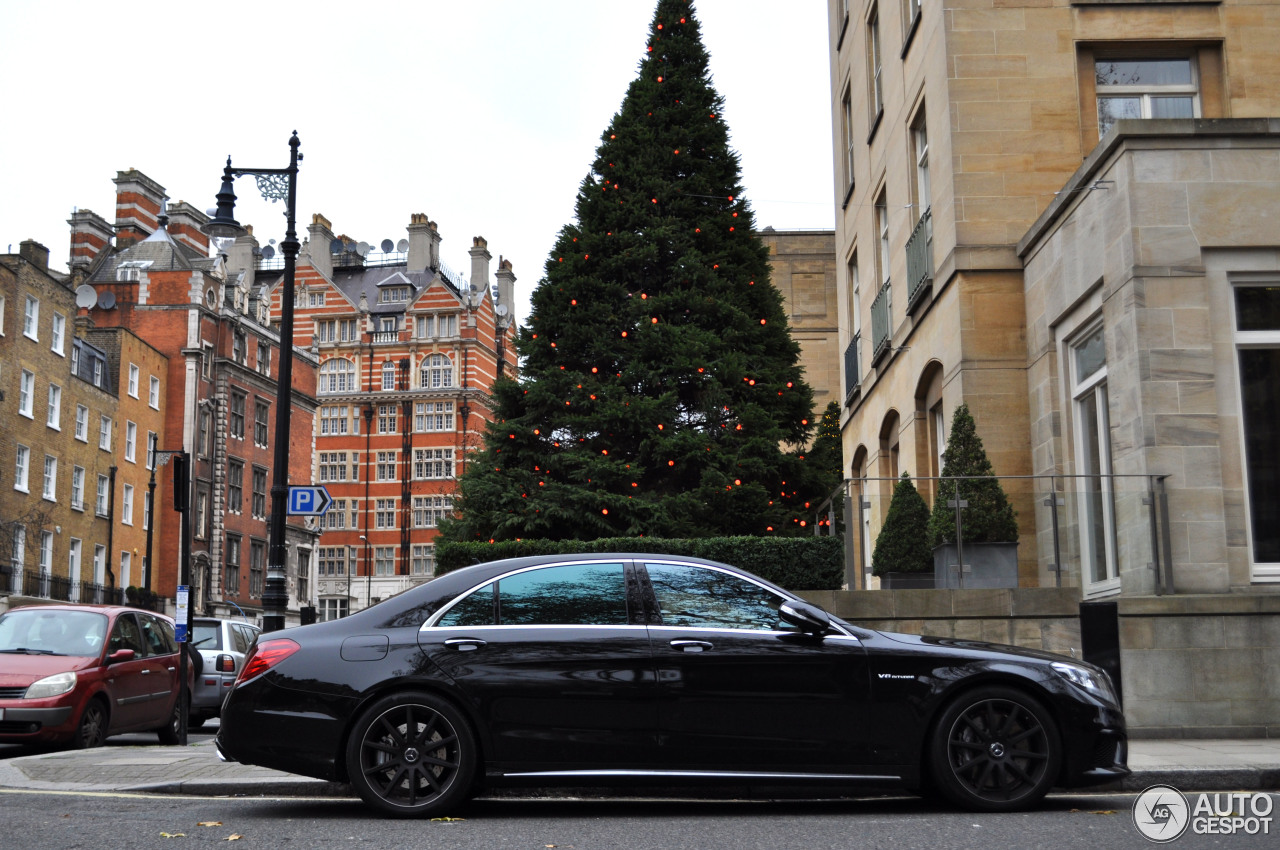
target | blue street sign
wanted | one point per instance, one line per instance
(308, 500)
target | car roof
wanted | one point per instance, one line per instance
(99, 609)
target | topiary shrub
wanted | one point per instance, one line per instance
(903, 544)
(989, 518)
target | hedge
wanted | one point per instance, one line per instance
(796, 563)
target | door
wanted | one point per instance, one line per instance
(128, 682)
(739, 690)
(161, 672)
(556, 659)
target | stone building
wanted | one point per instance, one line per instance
(802, 267)
(1063, 214)
(407, 350)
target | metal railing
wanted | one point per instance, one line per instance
(41, 585)
(920, 260)
(852, 379)
(383, 337)
(1097, 532)
(880, 327)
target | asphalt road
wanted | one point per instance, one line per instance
(65, 820)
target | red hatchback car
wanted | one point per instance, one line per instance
(76, 674)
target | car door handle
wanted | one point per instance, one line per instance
(464, 644)
(144, 672)
(692, 645)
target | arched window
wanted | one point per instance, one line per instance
(388, 375)
(337, 376)
(437, 372)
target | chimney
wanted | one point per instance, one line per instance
(242, 255)
(90, 236)
(480, 257)
(318, 241)
(138, 203)
(506, 290)
(185, 222)
(422, 242)
(34, 253)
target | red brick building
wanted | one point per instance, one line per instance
(222, 355)
(407, 350)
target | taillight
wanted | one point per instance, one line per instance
(225, 664)
(265, 656)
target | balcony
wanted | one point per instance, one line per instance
(852, 379)
(385, 337)
(880, 327)
(36, 584)
(920, 261)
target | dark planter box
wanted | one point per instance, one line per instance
(906, 581)
(987, 565)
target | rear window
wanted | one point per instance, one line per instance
(206, 635)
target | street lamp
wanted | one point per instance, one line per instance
(274, 184)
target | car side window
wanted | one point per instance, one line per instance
(125, 635)
(153, 635)
(240, 638)
(697, 597)
(571, 595)
(475, 609)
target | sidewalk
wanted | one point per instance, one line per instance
(1188, 765)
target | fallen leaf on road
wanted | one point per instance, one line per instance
(235, 836)
(1104, 812)
(210, 823)
(173, 835)
(447, 820)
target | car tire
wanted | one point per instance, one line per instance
(412, 754)
(170, 733)
(995, 749)
(91, 731)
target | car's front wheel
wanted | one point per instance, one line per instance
(92, 730)
(995, 749)
(411, 754)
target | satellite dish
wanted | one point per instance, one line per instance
(335, 247)
(86, 295)
(402, 245)
(387, 246)
(212, 212)
(107, 300)
(363, 249)
(349, 247)
(268, 252)
(271, 241)
(501, 309)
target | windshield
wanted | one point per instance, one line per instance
(37, 631)
(206, 635)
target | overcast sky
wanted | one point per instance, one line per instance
(483, 114)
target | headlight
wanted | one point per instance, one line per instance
(52, 686)
(1095, 682)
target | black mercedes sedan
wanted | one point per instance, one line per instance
(631, 668)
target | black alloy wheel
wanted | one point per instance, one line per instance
(411, 755)
(995, 749)
(92, 731)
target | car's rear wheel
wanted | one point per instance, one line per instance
(995, 749)
(92, 729)
(171, 732)
(411, 754)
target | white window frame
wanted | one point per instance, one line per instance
(134, 376)
(126, 505)
(50, 487)
(82, 423)
(1090, 391)
(54, 419)
(1149, 92)
(153, 393)
(77, 488)
(104, 433)
(22, 469)
(31, 318)
(59, 335)
(27, 394)
(102, 497)
(1262, 571)
(130, 441)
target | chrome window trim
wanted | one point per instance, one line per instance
(711, 774)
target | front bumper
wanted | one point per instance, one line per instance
(35, 724)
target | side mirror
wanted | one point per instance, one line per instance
(805, 616)
(121, 655)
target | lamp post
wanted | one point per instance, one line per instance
(274, 184)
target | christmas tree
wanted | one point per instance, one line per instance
(659, 385)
